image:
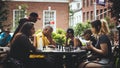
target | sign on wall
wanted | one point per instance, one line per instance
(101, 2)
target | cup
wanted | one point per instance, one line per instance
(88, 43)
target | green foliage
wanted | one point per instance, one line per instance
(117, 65)
(24, 6)
(60, 31)
(59, 36)
(38, 31)
(110, 24)
(3, 12)
(80, 27)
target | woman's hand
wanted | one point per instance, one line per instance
(89, 46)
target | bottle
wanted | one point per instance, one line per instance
(40, 44)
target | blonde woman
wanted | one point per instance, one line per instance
(102, 51)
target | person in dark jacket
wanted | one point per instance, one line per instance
(33, 17)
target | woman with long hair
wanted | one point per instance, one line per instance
(21, 47)
(102, 51)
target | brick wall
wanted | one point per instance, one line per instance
(62, 12)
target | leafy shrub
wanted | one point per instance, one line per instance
(59, 36)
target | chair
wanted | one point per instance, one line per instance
(115, 55)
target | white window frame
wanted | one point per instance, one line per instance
(19, 11)
(54, 19)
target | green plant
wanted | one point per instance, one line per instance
(3, 13)
(38, 31)
(59, 36)
(80, 27)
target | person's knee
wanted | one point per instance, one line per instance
(93, 65)
(82, 65)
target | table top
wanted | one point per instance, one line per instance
(42, 54)
(57, 51)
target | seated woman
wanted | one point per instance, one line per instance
(102, 51)
(21, 47)
(71, 40)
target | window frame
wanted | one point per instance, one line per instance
(19, 17)
(54, 18)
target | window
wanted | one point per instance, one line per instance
(17, 15)
(84, 16)
(49, 18)
(105, 14)
(101, 14)
(87, 3)
(78, 5)
(91, 2)
(87, 15)
(83, 3)
(91, 15)
(97, 14)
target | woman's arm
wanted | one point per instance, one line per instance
(103, 49)
(77, 42)
(26, 43)
(35, 41)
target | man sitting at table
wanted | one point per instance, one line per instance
(44, 38)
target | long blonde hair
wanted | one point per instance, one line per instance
(104, 27)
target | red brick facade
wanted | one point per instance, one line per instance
(62, 12)
(88, 10)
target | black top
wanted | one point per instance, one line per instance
(21, 48)
(21, 22)
(93, 40)
(104, 39)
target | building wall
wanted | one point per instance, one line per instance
(88, 10)
(62, 12)
(75, 6)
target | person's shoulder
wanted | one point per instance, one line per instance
(104, 36)
(39, 34)
(22, 20)
(77, 39)
(2, 33)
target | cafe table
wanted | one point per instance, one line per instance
(68, 58)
